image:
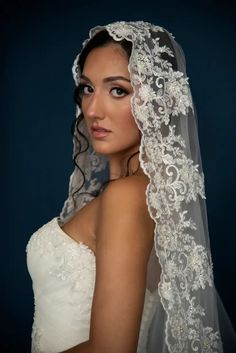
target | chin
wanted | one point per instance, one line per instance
(107, 150)
(104, 150)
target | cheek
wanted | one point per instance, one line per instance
(129, 122)
(132, 133)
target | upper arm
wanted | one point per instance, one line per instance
(124, 242)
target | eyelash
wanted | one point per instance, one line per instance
(124, 91)
(82, 86)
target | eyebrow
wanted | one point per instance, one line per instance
(108, 79)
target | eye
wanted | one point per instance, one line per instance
(84, 89)
(118, 92)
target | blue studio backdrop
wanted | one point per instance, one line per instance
(39, 41)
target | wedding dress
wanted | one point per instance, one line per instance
(181, 312)
(63, 274)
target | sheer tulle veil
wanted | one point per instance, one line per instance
(187, 310)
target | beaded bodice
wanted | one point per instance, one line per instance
(63, 274)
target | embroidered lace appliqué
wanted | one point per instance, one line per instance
(64, 273)
(161, 96)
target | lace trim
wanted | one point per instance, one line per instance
(160, 92)
(63, 260)
(162, 96)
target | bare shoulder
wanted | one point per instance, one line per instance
(123, 204)
(131, 189)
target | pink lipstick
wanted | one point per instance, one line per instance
(99, 132)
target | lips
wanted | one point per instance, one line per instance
(98, 132)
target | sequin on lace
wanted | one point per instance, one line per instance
(63, 273)
(161, 96)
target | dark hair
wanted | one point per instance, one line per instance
(101, 39)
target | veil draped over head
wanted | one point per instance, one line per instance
(185, 319)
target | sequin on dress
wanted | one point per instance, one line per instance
(63, 274)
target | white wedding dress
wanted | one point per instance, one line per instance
(63, 275)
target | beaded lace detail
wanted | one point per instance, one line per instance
(162, 100)
(63, 273)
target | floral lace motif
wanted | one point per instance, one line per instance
(160, 103)
(63, 273)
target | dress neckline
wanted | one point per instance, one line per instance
(67, 236)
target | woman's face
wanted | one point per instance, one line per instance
(105, 92)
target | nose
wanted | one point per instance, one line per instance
(93, 108)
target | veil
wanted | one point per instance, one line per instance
(187, 315)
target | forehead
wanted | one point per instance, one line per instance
(108, 59)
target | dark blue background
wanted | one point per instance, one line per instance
(39, 41)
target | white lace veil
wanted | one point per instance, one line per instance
(184, 318)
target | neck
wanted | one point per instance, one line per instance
(121, 166)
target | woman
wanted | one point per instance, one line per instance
(127, 265)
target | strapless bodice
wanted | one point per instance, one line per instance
(63, 274)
